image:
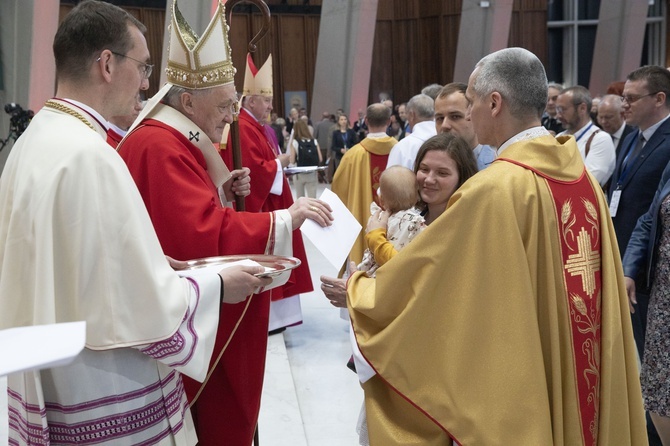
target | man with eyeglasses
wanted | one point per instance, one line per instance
(644, 155)
(172, 156)
(76, 243)
(573, 107)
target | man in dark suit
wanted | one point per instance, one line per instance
(640, 163)
(610, 119)
(644, 154)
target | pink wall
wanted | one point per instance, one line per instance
(42, 64)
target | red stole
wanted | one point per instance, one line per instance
(579, 235)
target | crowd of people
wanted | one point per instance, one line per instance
(488, 299)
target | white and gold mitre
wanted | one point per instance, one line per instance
(204, 62)
(258, 82)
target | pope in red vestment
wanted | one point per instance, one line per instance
(184, 206)
(180, 175)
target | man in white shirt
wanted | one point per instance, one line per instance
(420, 113)
(573, 106)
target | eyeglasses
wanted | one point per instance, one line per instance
(634, 98)
(146, 68)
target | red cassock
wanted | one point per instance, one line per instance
(259, 156)
(185, 209)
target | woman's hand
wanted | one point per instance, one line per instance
(378, 220)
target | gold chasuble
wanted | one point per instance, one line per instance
(506, 321)
(356, 182)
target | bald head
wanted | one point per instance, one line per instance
(610, 113)
(377, 117)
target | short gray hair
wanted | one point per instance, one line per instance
(555, 85)
(613, 100)
(423, 106)
(519, 77)
(172, 97)
(580, 95)
(431, 90)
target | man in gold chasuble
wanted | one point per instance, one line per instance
(506, 321)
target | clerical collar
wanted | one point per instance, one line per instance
(94, 114)
(377, 135)
(531, 133)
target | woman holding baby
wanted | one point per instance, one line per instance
(442, 165)
(410, 201)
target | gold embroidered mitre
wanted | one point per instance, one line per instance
(258, 81)
(204, 62)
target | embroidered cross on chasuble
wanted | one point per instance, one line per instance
(377, 167)
(579, 235)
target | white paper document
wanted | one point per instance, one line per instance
(40, 346)
(334, 241)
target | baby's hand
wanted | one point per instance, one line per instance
(378, 220)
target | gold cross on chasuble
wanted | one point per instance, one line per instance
(585, 263)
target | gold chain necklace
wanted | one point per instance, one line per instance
(60, 107)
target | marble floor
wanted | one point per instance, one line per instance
(310, 397)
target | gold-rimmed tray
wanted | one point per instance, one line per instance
(274, 265)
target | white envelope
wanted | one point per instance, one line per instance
(334, 241)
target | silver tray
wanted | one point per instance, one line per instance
(274, 265)
(306, 169)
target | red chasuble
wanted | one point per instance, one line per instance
(260, 157)
(186, 212)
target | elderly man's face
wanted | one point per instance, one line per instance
(212, 109)
(609, 117)
(259, 106)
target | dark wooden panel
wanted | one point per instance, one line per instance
(415, 46)
(385, 10)
(381, 71)
(292, 37)
(154, 20)
(292, 41)
(451, 25)
(528, 28)
(239, 39)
